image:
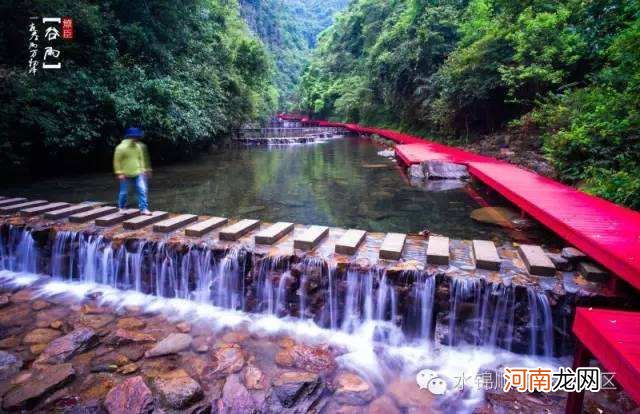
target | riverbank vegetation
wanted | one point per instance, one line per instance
(566, 72)
(187, 72)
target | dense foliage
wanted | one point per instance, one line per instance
(289, 29)
(186, 71)
(569, 69)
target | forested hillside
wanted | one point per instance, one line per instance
(289, 29)
(186, 71)
(567, 71)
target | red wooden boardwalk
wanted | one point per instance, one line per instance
(613, 337)
(607, 232)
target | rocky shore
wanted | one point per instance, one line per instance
(64, 355)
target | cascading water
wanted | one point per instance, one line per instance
(388, 309)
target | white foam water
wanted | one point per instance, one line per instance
(379, 362)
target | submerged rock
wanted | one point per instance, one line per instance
(227, 359)
(10, 364)
(40, 336)
(131, 396)
(178, 390)
(172, 344)
(41, 381)
(236, 399)
(310, 358)
(64, 348)
(443, 169)
(387, 153)
(499, 216)
(254, 378)
(415, 172)
(124, 337)
(573, 255)
(351, 389)
(131, 323)
(292, 387)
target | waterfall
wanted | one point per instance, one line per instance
(540, 324)
(387, 307)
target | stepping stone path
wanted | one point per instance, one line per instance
(92, 214)
(274, 233)
(17, 207)
(117, 217)
(204, 227)
(486, 255)
(10, 201)
(392, 246)
(174, 223)
(68, 211)
(239, 229)
(536, 260)
(34, 211)
(438, 250)
(310, 238)
(592, 272)
(350, 241)
(141, 221)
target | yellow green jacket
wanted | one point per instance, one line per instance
(131, 158)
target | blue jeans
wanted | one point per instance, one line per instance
(140, 182)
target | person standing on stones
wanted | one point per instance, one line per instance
(132, 167)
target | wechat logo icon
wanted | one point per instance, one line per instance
(429, 379)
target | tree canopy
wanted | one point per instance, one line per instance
(187, 72)
(568, 69)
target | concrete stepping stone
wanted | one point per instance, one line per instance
(350, 241)
(392, 246)
(274, 233)
(14, 200)
(174, 223)
(205, 226)
(486, 255)
(536, 260)
(310, 238)
(17, 207)
(239, 229)
(141, 221)
(34, 211)
(592, 272)
(117, 217)
(438, 250)
(68, 211)
(92, 214)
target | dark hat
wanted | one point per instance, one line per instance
(134, 132)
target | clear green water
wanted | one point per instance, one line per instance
(342, 182)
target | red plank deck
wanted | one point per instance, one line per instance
(607, 232)
(613, 337)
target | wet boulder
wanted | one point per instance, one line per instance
(172, 344)
(177, 389)
(42, 380)
(64, 348)
(10, 364)
(40, 336)
(443, 169)
(416, 172)
(351, 389)
(294, 387)
(236, 398)
(310, 358)
(226, 359)
(131, 396)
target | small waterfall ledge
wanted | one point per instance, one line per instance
(398, 302)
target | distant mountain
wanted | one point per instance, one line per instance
(289, 29)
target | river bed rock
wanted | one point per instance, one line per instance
(41, 381)
(131, 396)
(293, 387)
(10, 364)
(236, 399)
(177, 389)
(172, 344)
(444, 169)
(351, 389)
(64, 348)
(40, 336)
(227, 359)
